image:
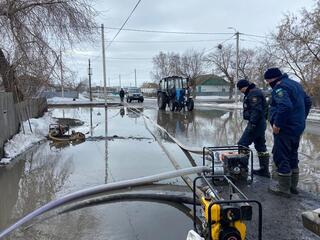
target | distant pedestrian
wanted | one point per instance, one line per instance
(289, 108)
(254, 111)
(121, 94)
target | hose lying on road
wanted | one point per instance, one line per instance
(197, 150)
(174, 195)
(174, 200)
(186, 179)
(125, 197)
(102, 189)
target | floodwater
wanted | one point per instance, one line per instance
(47, 172)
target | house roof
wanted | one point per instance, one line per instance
(149, 85)
(212, 80)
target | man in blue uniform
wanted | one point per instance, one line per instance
(289, 108)
(255, 110)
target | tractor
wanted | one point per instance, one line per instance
(175, 92)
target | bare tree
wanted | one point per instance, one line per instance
(246, 64)
(32, 32)
(297, 41)
(174, 63)
(165, 64)
(192, 66)
(223, 61)
(264, 58)
(189, 64)
(82, 85)
(252, 63)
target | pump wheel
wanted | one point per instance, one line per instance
(229, 233)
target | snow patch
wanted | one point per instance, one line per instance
(69, 101)
(212, 97)
(21, 142)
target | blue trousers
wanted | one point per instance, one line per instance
(256, 136)
(285, 152)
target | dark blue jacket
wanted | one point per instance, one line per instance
(290, 106)
(254, 105)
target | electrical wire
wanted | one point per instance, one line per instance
(251, 40)
(169, 32)
(133, 58)
(228, 39)
(124, 23)
(169, 41)
(254, 35)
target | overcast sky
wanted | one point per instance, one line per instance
(247, 16)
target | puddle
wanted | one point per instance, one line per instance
(46, 172)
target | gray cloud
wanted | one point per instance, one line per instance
(247, 16)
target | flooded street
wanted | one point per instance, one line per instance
(125, 148)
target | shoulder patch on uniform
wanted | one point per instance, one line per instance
(279, 92)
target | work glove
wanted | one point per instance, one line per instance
(251, 127)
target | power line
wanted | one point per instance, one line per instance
(129, 58)
(252, 40)
(221, 43)
(167, 41)
(169, 32)
(254, 35)
(124, 23)
(157, 31)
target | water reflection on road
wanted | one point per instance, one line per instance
(216, 127)
(47, 172)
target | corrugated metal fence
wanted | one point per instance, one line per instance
(12, 114)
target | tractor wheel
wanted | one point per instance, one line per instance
(161, 101)
(190, 105)
(172, 105)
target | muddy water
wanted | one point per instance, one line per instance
(47, 172)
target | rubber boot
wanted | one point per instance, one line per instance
(282, 188)
(294, 181)
(263, 171)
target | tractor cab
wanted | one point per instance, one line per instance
(175, 92)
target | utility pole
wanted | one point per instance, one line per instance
(90, 73)
(237, 68)
(105, 101)
(104, 67)
(237, 63)
(120, 80)
(135, 77)
(61, 74)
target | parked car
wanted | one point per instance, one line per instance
(134, 94)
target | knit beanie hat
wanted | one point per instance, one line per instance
(243, 83)
(272, 73)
